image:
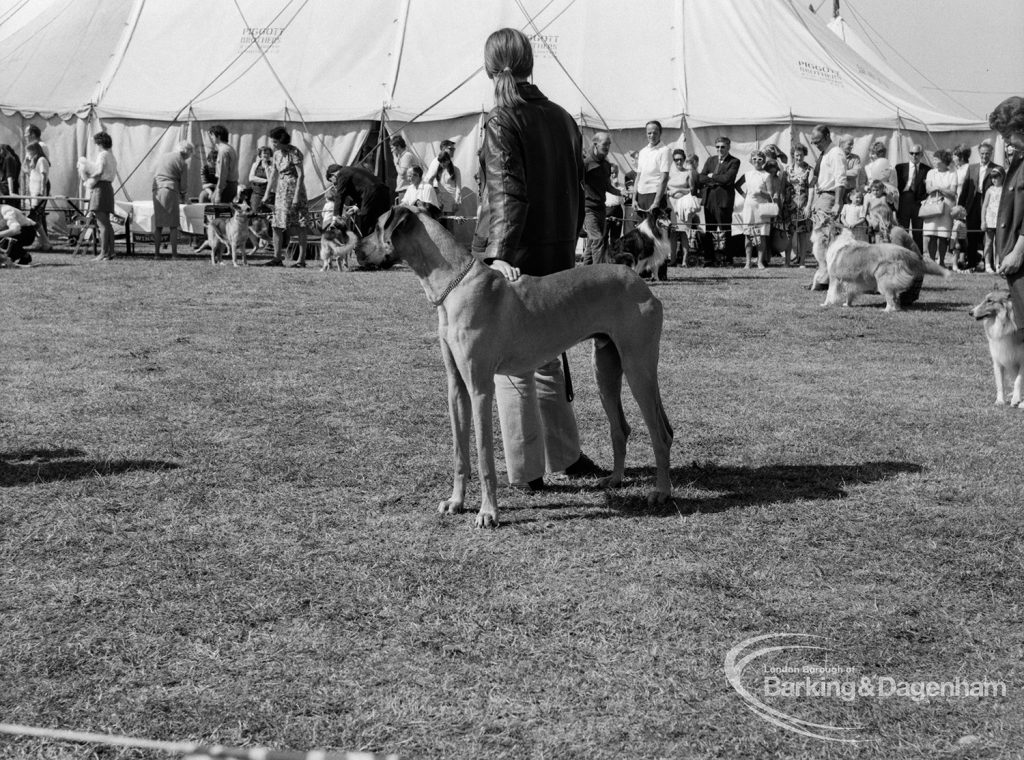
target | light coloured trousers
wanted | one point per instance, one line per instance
(538, 425)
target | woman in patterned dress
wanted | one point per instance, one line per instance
(286, 182)
(799, 176)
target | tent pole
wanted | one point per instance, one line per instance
(378, 159)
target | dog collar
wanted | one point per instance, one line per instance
(454, 283)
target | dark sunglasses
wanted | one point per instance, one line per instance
(915, 153)
(721, 147)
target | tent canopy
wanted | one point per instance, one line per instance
(706, 61)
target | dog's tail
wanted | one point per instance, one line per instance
(930, 267)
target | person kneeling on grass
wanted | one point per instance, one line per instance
(20, 231)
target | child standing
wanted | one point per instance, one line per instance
(854, 217)
(958, 238)
(989, 214)
(879, 212)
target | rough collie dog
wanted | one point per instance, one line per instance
(859, 267)
(1005, 344)
(648, 246)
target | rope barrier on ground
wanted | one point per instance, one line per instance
(194, 751)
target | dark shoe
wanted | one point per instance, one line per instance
(584, 467)
(274, 263)
(537, 484)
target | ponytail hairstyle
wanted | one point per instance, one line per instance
(508, 58)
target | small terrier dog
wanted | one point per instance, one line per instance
(337, 239)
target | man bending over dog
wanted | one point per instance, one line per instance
(531, 171)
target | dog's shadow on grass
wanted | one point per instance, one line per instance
(723, 488)
(48, 465)
(939, 306)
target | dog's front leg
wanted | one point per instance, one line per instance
(1015, 399)
(997, 370)
(482, 400)
(459, 413)
(480, 387)
(833, 297)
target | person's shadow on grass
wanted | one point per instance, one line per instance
(735, 487)
(46, 465)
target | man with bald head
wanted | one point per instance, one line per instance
(910, 181)
(597, 181)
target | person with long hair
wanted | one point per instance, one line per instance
(38, 181)
(101, 199)
(531, 172)
(1007, 119)
(287, 182)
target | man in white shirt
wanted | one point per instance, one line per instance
(404, 162)
(227, 165)
(652, 167)
(21, 231)
(421, 194)
(825, 203)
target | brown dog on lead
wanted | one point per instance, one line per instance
(490, 326)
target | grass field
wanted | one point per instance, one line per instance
(217, 523)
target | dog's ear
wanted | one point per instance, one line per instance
(393, 221)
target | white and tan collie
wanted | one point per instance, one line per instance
(891, 269)
(1005, 344)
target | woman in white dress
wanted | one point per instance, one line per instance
(754, 187)
(684, 202)
(940, 184)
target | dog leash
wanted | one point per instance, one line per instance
(454, 283)
(569, 393)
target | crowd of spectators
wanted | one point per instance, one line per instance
(949, 204)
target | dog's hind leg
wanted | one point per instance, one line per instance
(480, 385)
(608, 370)
(892, 298)
(641, 368)
(460, 414)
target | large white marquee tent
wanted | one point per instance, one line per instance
(152, 72)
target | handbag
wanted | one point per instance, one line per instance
(767, 210)
(779, 240)
(932, 207)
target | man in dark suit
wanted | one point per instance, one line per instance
(718, 180)
(970, 198)
(985, 152)
(910, 181)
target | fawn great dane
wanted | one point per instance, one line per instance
(490, 326)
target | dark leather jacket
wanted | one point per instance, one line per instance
(531, 178)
